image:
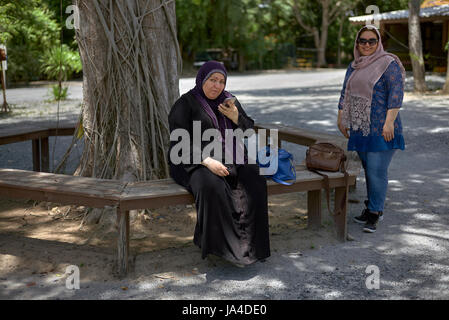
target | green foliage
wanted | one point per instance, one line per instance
(58, 93)
(252, 27)
(265, 32)
(384, 6)
(27, 29)
(60, 62)
(54, 7)
(192, 26)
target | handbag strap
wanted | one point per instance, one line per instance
(327, 187)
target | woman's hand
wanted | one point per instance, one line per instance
(343, 130)
(230, 111)
(341, 127)
(215, 166)
(388, 131)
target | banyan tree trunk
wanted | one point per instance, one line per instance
(131, 63)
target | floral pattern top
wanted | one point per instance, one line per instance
(388, 93)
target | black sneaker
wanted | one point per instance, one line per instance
(371, 223)
(363, 218)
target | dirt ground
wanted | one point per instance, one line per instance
(41, 237)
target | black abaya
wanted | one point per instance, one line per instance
(232, 211)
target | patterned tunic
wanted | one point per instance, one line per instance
(388, 93)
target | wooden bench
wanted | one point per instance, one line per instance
(123, 196)
(39, 140)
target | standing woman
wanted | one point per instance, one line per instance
(231, 199)
(369, 110)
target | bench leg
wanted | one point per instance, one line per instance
(340, 220)
(45, 155)
(123, 242)
(36, 155)
(314, 209)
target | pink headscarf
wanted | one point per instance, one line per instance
(359, 87)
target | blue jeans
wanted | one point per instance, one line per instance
(376, 165)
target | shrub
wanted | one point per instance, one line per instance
(60, 61)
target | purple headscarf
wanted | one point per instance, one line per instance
(209, 105)
(221, 122)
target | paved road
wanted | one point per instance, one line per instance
(40, 92)
(410, 249)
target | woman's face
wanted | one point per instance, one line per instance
(367, 43)
(214, 86)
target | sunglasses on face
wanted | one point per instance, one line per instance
(371, 41)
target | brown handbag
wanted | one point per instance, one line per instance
(326, 156)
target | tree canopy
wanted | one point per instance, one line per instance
(265, 33)
(27, 28)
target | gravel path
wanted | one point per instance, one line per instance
(410, 248)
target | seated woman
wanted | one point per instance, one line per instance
(231, 199)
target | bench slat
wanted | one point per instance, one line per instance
(57, 197)
(61, 184)
(136, 195)
(14, 135)
(302, 136)
(158, 188)
(153, 194)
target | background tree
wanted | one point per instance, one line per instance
(259, 30)
(446, 84)
(415, 45)
(316, 17)
(28, 28)
(60, 63)
(57, 8)
(192, 17)
(131, 63)
(384, 6)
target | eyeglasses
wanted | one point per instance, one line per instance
(371, 41)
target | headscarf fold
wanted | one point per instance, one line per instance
(360, 85)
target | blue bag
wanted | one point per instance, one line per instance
(283, 161)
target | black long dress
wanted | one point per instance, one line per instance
(232, 211)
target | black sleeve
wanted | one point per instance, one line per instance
(180, 117)
(244, 121)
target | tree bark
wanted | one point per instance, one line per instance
(415, 45)
(314, 31)
(324, 32)
(330, 11)
(446, 85)
(340, 32)
(131, 62)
